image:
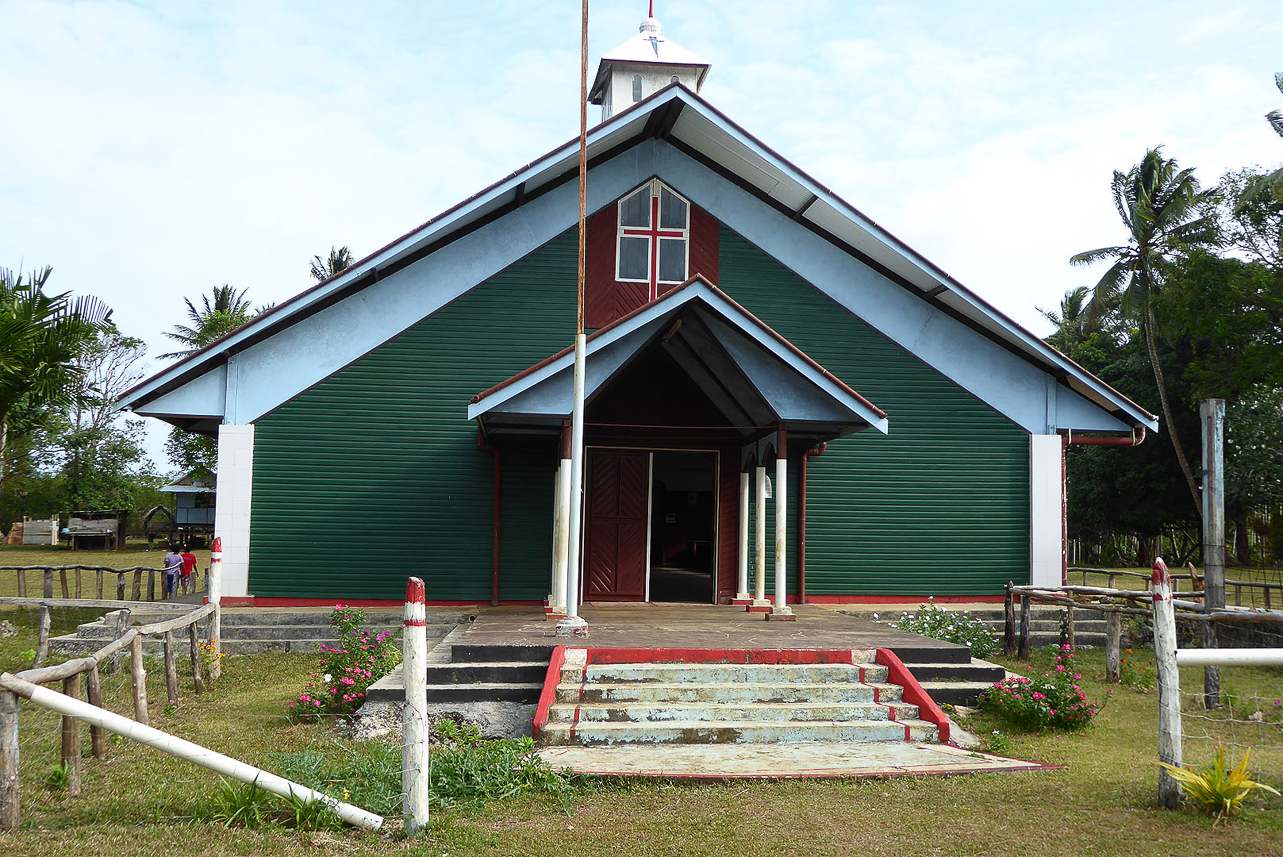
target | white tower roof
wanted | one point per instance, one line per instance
(648, 47)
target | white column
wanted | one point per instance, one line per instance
(742, 592)
(415, 727)
(232, 510)
(574, 625)
(759, 547)
(1045, 508)
(781, 538)
(561, 541)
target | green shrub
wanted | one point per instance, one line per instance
(347, 669)
(1050, 701)
(468, 770)
(951, 626)
(251, 806)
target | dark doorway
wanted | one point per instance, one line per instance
(683, 526)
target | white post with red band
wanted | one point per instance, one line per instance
(214, 592)
(415, 726)
(1169, 685)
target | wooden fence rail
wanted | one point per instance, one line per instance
(69, 675)
(67, 583)
(1239, 585)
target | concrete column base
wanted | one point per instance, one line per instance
(781, 614)
(759, 605)
(742, 598)
(575, 626)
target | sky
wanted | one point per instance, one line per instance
(155, 150)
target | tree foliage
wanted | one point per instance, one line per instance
(339, 260)
(216, 318)
(1166, 214)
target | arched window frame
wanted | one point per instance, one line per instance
(653, 233)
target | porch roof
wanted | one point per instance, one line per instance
(755, 377)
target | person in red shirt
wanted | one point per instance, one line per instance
(189, 566)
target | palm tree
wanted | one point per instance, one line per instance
(41, 337)
(339, 260)
(1166, 213)
(216, 318)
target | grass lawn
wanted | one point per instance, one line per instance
(1103, 802)
(135, 554)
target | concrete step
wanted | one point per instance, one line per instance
(758, 732)
(477, 653)
(721, 673)
(977, 670)
(955, 692)
(831, 693)
(500, 671)
(717, 712)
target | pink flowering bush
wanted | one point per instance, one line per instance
(361, 658)
(1052, 700)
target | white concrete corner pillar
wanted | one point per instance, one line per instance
(232, 505)
(781, 607)
(759, 546)
(741, 594)
(1046, 510)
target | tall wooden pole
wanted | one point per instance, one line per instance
(1212, 412)
(574, 625)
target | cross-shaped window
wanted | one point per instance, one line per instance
(654, 237)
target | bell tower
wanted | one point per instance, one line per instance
(642, 66)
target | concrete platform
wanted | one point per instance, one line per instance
(780, 761)
(706, 627)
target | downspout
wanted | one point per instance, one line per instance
(498, 513)
(814, 452)
(1067, 440)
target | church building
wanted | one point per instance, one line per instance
(762, 358)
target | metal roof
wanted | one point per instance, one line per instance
(685, 120)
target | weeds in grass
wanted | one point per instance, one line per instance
(1231, 698)
(59, 777)
(1137, 674)
(1215, 790)
(997, 743)
(251, 806)
(468, 770)
(208, 657)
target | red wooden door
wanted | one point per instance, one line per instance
(618, 483)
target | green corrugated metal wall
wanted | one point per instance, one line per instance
(941, 504)
(374, 474)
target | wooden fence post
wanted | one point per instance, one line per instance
(171, 668)
(78, 581)
(71, 738)
(93, 695)
(139, 677)
(415, 725)
(98, 575)
(1023, 652)
(1009, 622)
(1070, 638)
(1113, 645)
(48, 593)
(120, 587)
(151, 586)
(138, 585)
(10, 813)
(62, 578)
(42, 641)
(22, 584)
(193, 635)
(1169, 685)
